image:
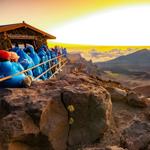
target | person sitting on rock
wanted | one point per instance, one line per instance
(14, 60)
(25, 60)
(43, 56)
(59, 58)
(53, 55)
(54, 61)
(36, 59)
(64, 52)
(48, 53)
(8, 68)
(56, 50)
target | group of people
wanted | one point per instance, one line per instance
(17, 60)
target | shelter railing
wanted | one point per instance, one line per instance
(63, 61)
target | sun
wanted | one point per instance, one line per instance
(119, 26)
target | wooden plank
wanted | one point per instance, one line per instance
(20, 36)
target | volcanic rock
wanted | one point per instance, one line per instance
(117, 94)
(92, 113)
(38, 117)
(135, 100)
(137, 136)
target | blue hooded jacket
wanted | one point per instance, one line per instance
(42, 54)
(24, 60)
(64, 52)
(48, 53)
(8, 68)
(36, 59)
(53, 55)
(31, 52)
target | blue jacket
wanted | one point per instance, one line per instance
(31, 52)
(48, 53)
(36, 59)
(8, 68)
(42, 54)
(53, 55)
(64, 52)
(25, 60)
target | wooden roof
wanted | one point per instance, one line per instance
(5, 28)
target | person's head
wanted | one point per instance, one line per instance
(4, 55)
(52, 49)
(29, 49)
(13, 57)
(44, 47)
(56, 47)
(16, 44)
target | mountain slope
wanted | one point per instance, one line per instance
(138, 62)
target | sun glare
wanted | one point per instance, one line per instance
(120, 26)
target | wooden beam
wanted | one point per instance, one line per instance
(20, 36)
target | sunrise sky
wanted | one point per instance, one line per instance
(97, 22)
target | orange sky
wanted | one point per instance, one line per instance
(48, 14)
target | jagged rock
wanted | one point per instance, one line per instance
(137, 101)
(40, 113)
(15, 125)
(92, 113)
(137, 136)
(117, 94)
(54, 123)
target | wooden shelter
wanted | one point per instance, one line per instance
(22, 33)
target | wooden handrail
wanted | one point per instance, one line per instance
(48, 70)
(9, 77)
(58, 69)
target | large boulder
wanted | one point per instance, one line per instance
(91, 115)
(61, 113)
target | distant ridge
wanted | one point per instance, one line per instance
(138, 61)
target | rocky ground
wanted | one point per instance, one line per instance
(76, 110)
